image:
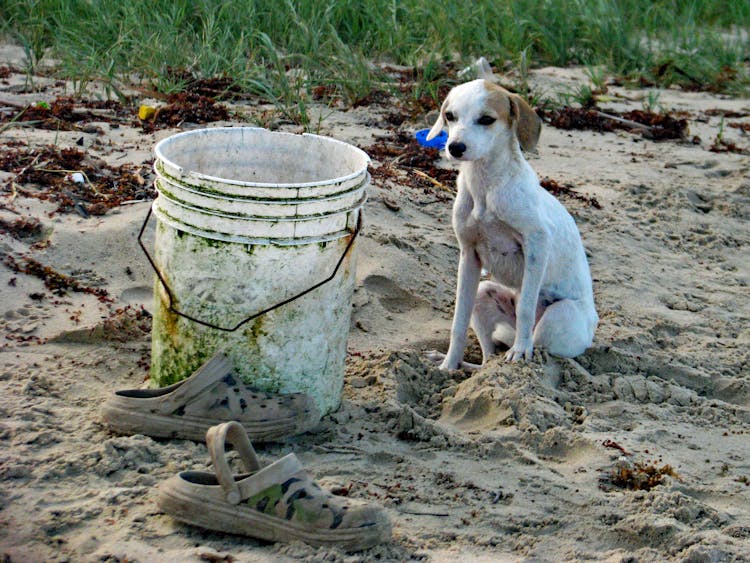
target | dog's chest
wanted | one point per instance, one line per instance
(497, 245)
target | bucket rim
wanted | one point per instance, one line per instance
(182, 172)
(161, 175)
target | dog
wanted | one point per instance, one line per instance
(540, 292)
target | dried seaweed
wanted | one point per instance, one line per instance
(661, 125)
(568, 117)
(651, 125)
(57, 283)
(401, 150)
(69, 114)
(405, 161)
(566, 190)
(185, 107)
(22, 228)
(721, 145)
(745, 127)
(640, 476)
(45, 173)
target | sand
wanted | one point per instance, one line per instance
(524, 462)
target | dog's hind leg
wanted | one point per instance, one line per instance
(566, 328)
(493, 318)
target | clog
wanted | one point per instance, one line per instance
(279, 502)
(213, 394)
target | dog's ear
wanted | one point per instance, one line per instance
(528, 124)
(439, 123)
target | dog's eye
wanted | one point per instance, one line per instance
(449, 116)
(486, 120)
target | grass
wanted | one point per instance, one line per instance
(282, 49)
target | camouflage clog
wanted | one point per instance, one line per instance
(278, 502)
(213, 394)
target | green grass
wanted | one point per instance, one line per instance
(281, 49)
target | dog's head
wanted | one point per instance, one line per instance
(482, 116)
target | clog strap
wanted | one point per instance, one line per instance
(216, 437)
(216, 367)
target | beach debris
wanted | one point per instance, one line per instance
(66, 114)
(437, 142)
(501, 495)
(722, 145)
(403, 161)
(73, 179)
(612, 444)
(566, 190)
(77, 178)
(632, 474)
(184, 107)
(216, 87)
(391, 204)
(22, 228)
(650, 125)
(638, 475)
(146, 112)
(57, 283)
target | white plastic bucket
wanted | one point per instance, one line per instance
(249, 219)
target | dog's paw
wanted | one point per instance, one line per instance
(446, 366)
(439, 359)
(519, 351)
(434, 356)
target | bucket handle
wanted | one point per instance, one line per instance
(256, 315)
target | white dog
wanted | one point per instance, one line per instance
(540, 293)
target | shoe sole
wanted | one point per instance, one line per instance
(128, 421)
(235, 519)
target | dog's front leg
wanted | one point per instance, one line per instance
(536, 252)
(469, 269)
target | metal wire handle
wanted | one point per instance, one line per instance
(256, 315)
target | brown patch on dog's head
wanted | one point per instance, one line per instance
(515, 111)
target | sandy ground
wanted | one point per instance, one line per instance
(511, 463)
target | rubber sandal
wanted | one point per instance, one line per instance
(211, 395)
(278, 503)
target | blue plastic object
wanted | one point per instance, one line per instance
(437, 142)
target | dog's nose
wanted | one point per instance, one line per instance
(457, 149)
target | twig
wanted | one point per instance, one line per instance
(417, 513)
(612, 444)
(134, 201)
(14, 191)
(343, 449)
(627, 122)
(433, 181)
(12, 122)
(21, 173)
(14, 105)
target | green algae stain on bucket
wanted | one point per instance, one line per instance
(248, 218)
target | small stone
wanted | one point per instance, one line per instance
(358, 382)
(390, 204)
